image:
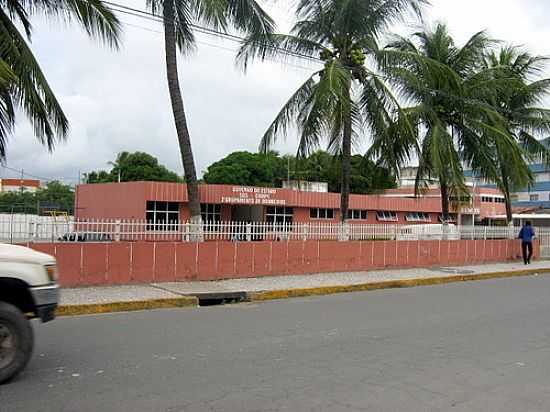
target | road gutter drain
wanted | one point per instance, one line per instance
(224, 298)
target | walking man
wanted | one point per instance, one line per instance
(526, 234)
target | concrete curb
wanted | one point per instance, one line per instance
(392, 284)
(193, 301)
(97, 308)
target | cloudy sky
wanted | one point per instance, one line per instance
(118, 101)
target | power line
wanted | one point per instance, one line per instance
(216, 46)
(42, 178)
(120, 8)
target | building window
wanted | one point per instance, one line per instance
(211, 212)
(357, 214)
(461, 199)
(320, 213)
(500, 200)
(418, 217)
(279, 215)
(533, 198)
(487, 199)
(162, 215)
(542, 177)
(385, 216)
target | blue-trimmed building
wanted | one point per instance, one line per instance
(536, 196)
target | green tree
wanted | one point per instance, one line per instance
(179, 17)
(448, 89)
(100, 176)
(23, 86)
(132, 167)
(270, 170)
(55, 196)
(345, 97)
(517, 98)
(247, 169)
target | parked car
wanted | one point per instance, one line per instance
(85, 237)
(28, 289)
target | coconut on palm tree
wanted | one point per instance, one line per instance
(518, 92)
(23, 85)
(180, 18)
(345, 98)
(447, 88)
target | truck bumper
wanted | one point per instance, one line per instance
(46, 299)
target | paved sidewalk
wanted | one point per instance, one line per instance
(159, 291)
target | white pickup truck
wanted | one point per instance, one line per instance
(28, 289)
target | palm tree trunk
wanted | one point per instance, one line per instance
(507, 200)
(508, 203)
(178, 110)
(346, 168)
(444, 200)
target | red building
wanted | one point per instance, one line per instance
(161, 202)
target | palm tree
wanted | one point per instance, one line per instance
(22, 83)
(516, 97)
(180, 18)
(339, 101)
(448, 90)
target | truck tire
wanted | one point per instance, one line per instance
(16, 341)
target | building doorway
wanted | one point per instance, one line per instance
(247, 213)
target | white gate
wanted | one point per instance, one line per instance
(543, 234)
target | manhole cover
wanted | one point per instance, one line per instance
(456, 271)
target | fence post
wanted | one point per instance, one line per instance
(117, 230)
(34, 230)
(248, 232)
(344, 232)
(305, 231)
(186, 234)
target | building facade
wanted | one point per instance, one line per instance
(159, 202)
(19, 185)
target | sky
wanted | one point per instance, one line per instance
(118, 100)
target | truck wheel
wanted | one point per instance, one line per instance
(16, 341)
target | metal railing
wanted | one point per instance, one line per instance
(19, 228)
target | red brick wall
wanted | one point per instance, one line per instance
(86, 264)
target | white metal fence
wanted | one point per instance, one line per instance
(29, 228)
(17, 228)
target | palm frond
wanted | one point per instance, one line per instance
(94, 16)
(247, 16)
(287, 115)
(277, 47)
(330, 99)
(31, 90)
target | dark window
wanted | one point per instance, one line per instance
(162, 215)
(385, 216)
(279, 215)
(211, 212)
(357, 214)
(321, 213)
(418, 217)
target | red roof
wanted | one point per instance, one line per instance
(21, 182)
(409, 190)
(227, 194)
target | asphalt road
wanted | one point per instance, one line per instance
(480, 346)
